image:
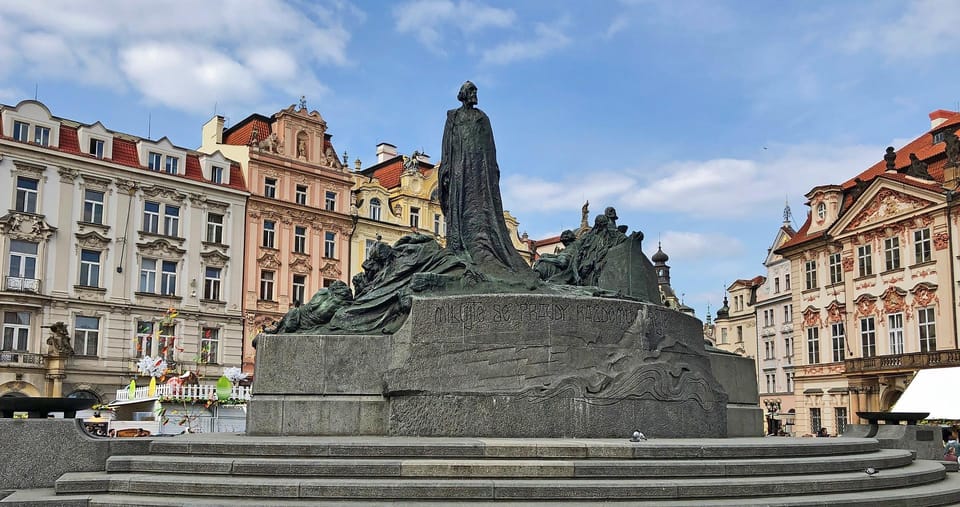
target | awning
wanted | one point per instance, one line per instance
(932, 390)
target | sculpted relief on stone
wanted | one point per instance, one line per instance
(26, 227)
(886, 205)
(893, 300)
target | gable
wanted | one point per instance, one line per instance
(886, 205)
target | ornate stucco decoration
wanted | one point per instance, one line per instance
(893, 300)
(301, 264)
(26, 227)
(214, 258)
(835, 312)
(165, 193)
(67, 174)
(92, 239)
(847, 263)
(940, 240)
(160, 248)
(811, 317)
(866, 306)
(128, 186)
(331, 270)
(95, 183)
(925, 294)
(29, 169)
(268, 260)
(202, 201)
(886, 205)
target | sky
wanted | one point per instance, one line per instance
(698, 120)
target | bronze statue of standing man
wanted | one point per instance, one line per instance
(470, 191)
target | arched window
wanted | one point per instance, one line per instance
(84, 394)
(375, 209)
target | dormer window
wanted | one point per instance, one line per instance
(154, 160)
(96, 148)
(21, 131)
(216, 174)
(822, 210)
(172, 164)
(939, 137)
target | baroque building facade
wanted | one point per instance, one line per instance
(874, 269)
(298, 224)
(735, 328)
(114, 247)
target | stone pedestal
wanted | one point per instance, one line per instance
(499, 365)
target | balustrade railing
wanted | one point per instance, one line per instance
(19, 284)
(914, 360)
(184, 393)
(15, 358)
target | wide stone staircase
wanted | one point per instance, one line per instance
(236, 470)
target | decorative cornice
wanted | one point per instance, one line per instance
(67, 175)
(166, 193)
(214, 258)
(160, 248)
(92, 239)
(26, 226)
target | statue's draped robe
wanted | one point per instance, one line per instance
(470, 195)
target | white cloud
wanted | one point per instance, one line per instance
(422, 18)
(547, 38)
(927, 28)
(718, 188)
(241, 50)
(688, 246)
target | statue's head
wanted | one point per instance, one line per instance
(468, 94)
(611, 213)
(567, 237)
(601, 221)
(341, 290)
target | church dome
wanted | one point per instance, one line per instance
(659, 256)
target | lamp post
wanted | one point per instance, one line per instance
(773, 408)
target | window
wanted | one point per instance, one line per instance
(776, 285)
(153, 161)
(787, 314)
(148, 275)
(788, 349)
(171, 220)
(27, 194)
(154, 339)
(23, 259)
(414, 217)
(723, 335)
(895, 330)
(21, 131)
(86, 335)
(868, 336)
(437, 223)
(216, 174)
(739, 334)
(837, 333)
(96, 148)
(168, 278)
(151, 217)
(375, 209)
(299, 288)
(865, 260)
(841, 416)
(301, 194)
(939, 137)
(266, 285)
(300, 239)
(269, 233)
(921, 245)
(769, 349)
(789, 376)
(786, 281)
(815, 422)
(172, 163)
(771, 382)
(928, 329)
(822, 210)
(214, 228)
(16, 330)
(93, 207)
(367, 247)
(209, 345)
(270, 188)
(211, 284)
(810, 274)
(330, 245)
(330, 201)
(836, 270)
(813, 345)
(891, 253)
(90, 268)
(41, 135)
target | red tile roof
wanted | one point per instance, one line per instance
(388, 172)
(125, 152)
(68, 140)
(241, 134)
(932, 154)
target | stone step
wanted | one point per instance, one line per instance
(505, 468)
(770, 447)
(917, 473)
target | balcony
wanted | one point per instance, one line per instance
(898, 362)
(184, 393)
(20, 359)
(18, 284)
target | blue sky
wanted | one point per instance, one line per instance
(696, 119)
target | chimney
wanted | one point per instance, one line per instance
(939, 116)
(385, 151)
(423, 157)
(212, 132)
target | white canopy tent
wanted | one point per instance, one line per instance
(933, 391)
